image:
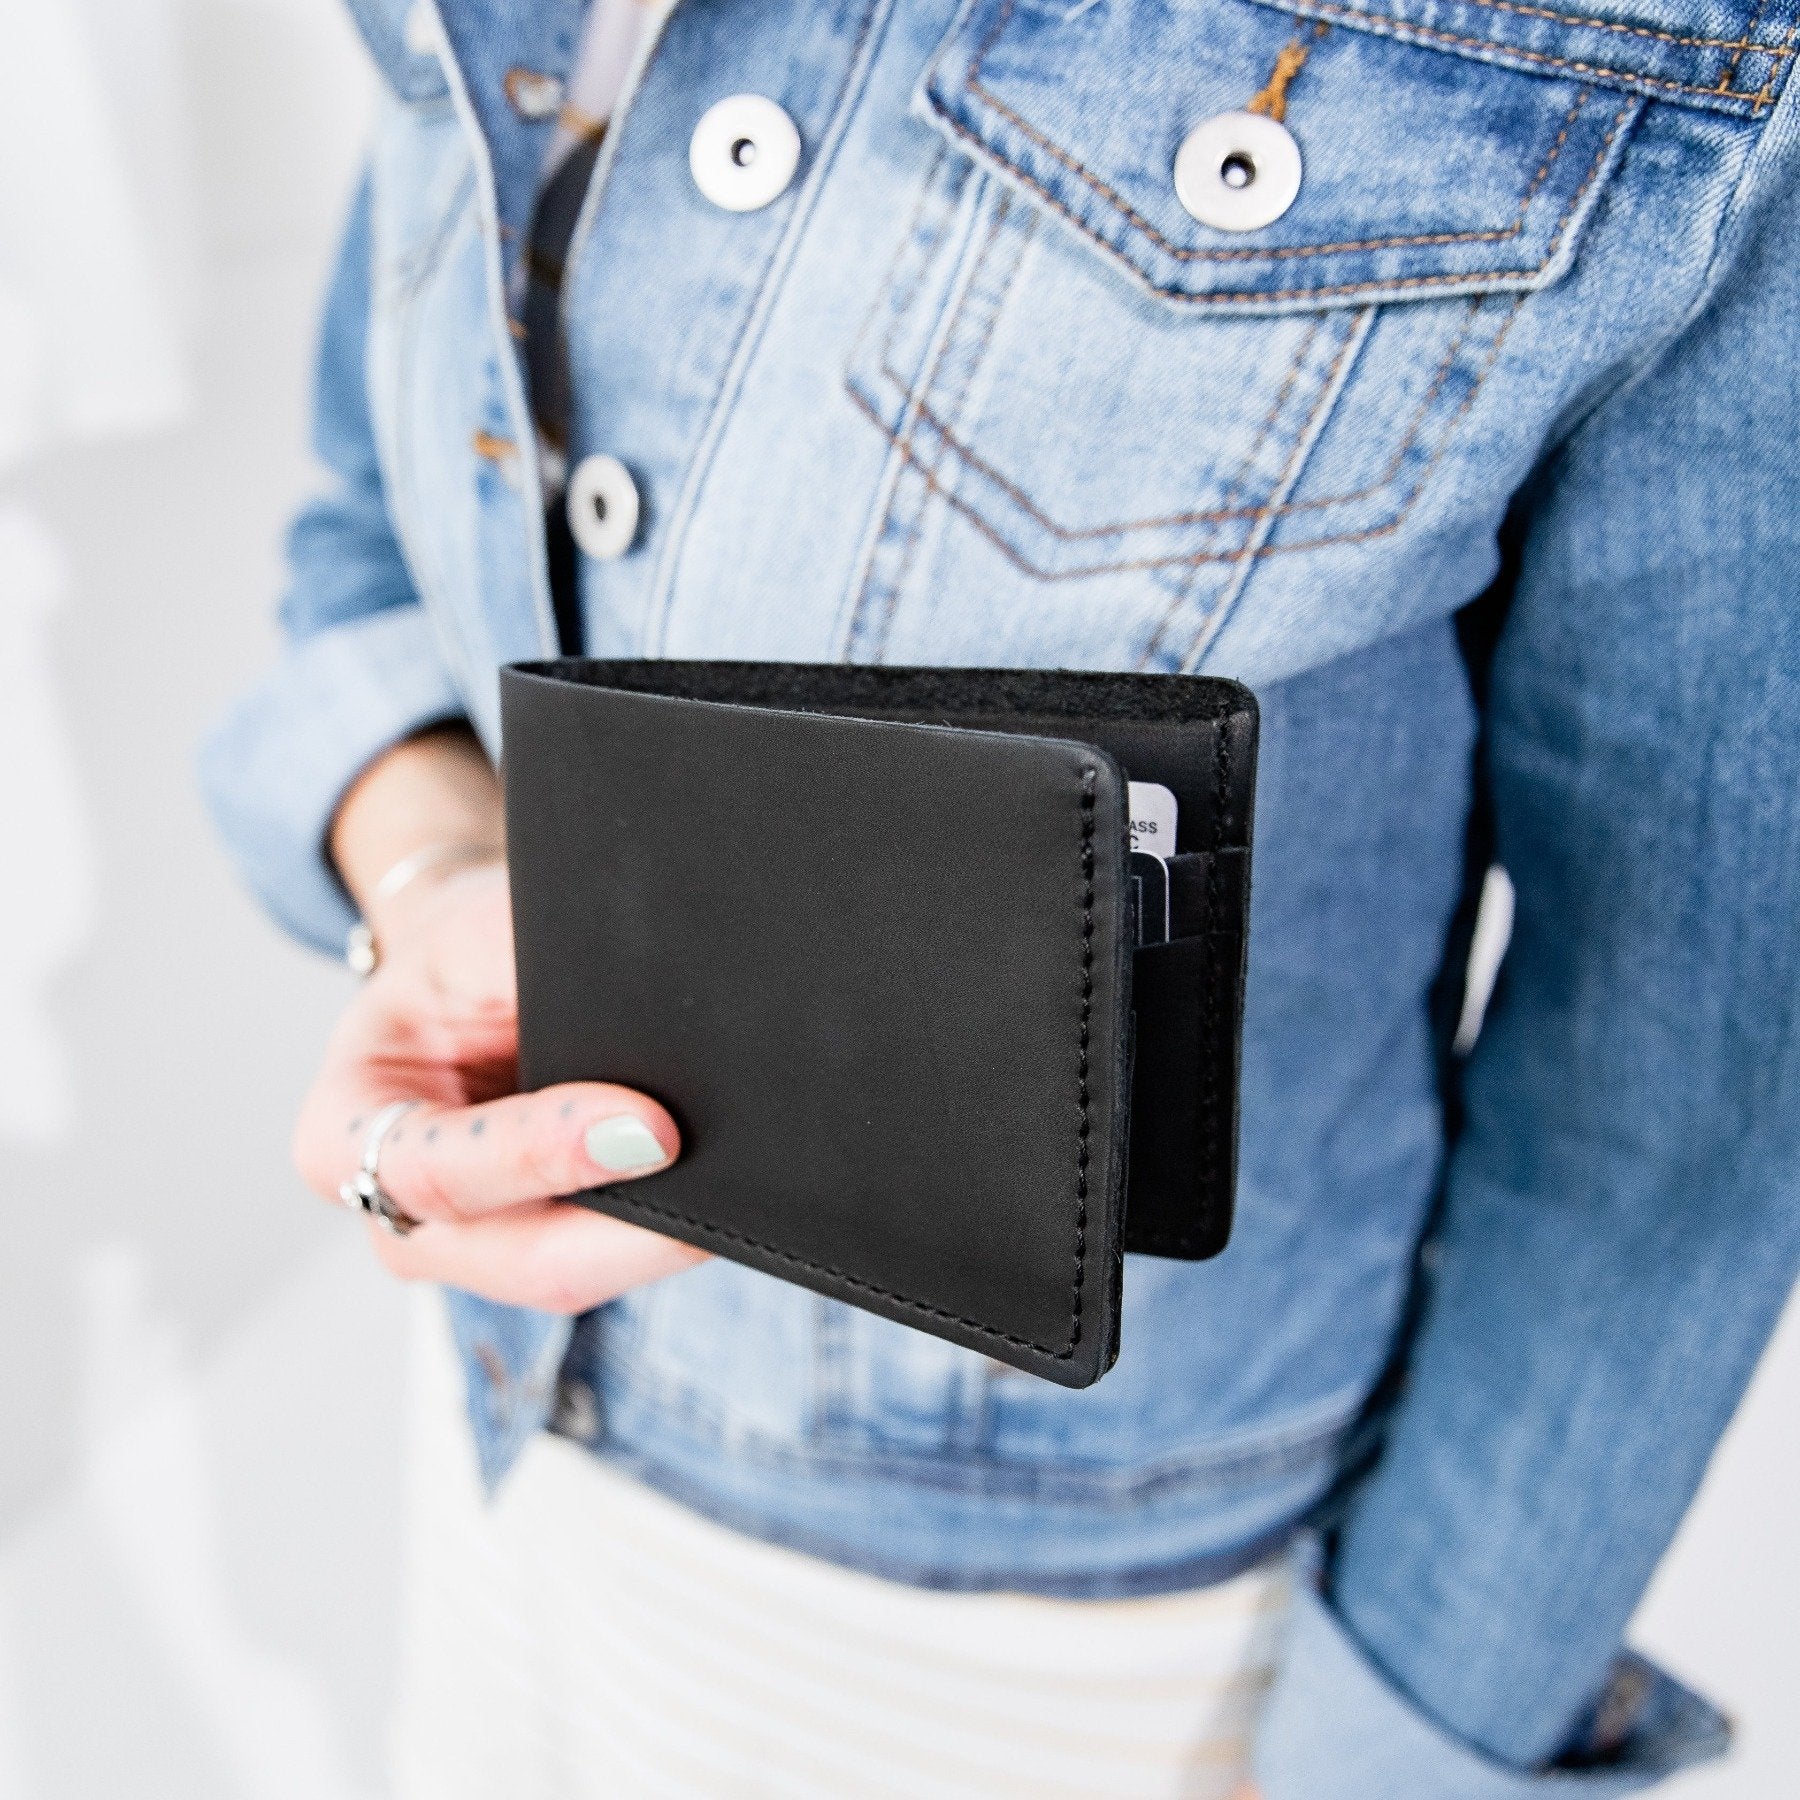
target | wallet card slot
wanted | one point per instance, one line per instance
(1187, 1004)
(1207, 893)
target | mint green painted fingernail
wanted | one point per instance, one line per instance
(624, 1145)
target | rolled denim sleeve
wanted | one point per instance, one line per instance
(1621, 1217)
(359, 668)
(1334, 1729)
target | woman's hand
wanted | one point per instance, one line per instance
(480, 1165)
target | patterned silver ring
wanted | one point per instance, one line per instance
(363, 1192)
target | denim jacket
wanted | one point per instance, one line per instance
(976, 387)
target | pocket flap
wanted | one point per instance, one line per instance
(1731, 57)
(1422, 172)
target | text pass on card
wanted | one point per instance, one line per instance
(1152, 809)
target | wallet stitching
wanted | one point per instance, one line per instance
(1087, 999)
(706, 1229)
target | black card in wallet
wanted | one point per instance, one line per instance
(872, 935)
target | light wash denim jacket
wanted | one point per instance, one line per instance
(977, 389)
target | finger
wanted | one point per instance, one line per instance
(464, 1162)
(555, 1257)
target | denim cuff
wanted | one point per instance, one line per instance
(1335, 1729)
(511, 1357)
(275, 767)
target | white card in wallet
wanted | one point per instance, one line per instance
(1151, 808)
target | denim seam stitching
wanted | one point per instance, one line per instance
(900, 301)
(753, 322)
(919, 406)
(1184, 584)
(1016, 556)
(1186, 1573)
(1212, 516)
(1645, 31)
(406, 328)
(1328, 388)
(1386, 25)
(1280, 253)
(904, 446)
(416, 267)
(874, 591)
(1285, 1454)
(1389, 526)
(1181, 296)
(1728, 80)
(1020, 561)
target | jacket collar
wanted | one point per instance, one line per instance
(488, 41)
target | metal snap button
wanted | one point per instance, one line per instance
(602, 502)
(1239, 171)
(744, 152)
(533, 95)
(419, 29)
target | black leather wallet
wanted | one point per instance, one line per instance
(873, 936)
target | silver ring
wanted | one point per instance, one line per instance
(363, 1192)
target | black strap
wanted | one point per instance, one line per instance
(547, 362)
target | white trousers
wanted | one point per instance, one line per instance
(585, 1638)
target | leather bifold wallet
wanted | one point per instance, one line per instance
(940, 1043)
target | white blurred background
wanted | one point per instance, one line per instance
(199, 1367)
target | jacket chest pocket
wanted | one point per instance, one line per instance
(1106, 369)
